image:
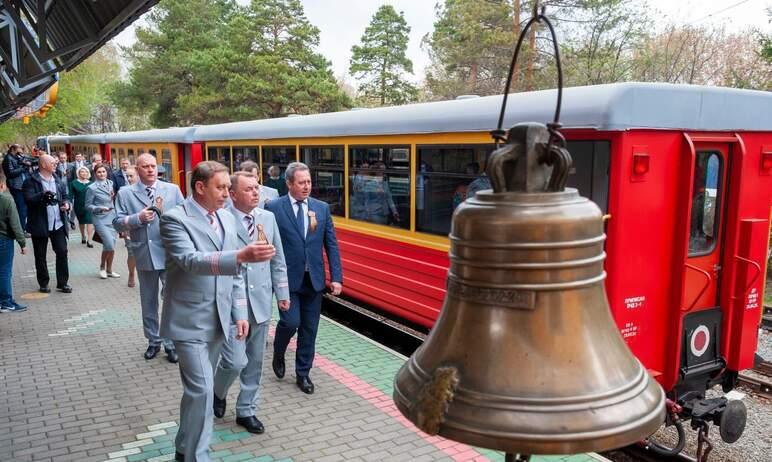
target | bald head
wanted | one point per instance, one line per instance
(147, 169)
(47, 164)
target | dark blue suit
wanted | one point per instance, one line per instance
(305, 286)
(118, 181)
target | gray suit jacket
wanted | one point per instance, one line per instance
(99, 196)
(204, 291)
(262, 279)
(267, 194)
(145, 240)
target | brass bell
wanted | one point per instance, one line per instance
(525, 356)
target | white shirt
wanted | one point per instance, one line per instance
(205, 213)
(54, 217)
(305, 212)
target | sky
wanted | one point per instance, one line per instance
(342, 23)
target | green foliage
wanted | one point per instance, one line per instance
(80, 92)
(470, 47)
(228, 62)
(380, 61)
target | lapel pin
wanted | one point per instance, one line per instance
(312, 221)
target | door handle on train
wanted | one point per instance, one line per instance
(756, 276)
(708, 278)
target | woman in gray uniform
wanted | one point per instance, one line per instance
(99, 201)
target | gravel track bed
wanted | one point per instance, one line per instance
(756, 443)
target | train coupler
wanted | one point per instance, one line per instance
(730, 416)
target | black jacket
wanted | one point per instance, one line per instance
(15, 171)
(37, 214)
(118, 180)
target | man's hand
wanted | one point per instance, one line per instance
(242, 329)
(65, 207)
(284, 305)
(146, 215)
(256, 252)
(337, 288)
(24, 251)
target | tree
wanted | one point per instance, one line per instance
(380, 61)
(231, 63)
(81, 92)
(470, 47)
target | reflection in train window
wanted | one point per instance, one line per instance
(326, 164)
(221, 154)
(379, 185)
(706, 195)
(243, 154)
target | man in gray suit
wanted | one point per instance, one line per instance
(266, 193)
(205, 295)
(134, 214)
(261, 281)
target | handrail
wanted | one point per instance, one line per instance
(753, 280)
(704, 289)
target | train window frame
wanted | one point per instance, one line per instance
(221, 148)
(717, 207)
(402, 219)
(423, 223)
(338, 167)
(244, 147)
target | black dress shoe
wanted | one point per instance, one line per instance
(45, 290)
(171, 355)
(152, 351)
(219, 407)
(251, 424)
(67, 289)
(305, 384)
(278, 366)
(179, 457)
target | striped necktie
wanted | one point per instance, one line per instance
(250, 220)
(212, 221)
(150, 194)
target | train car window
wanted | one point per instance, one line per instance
(275, 161)
(152, 152)
(243, 154)
(379, 185)
(706, 195)
(326, 164)
(166, 161)
(445, 175)
(221, 154)
(590, 170)
(131, 155)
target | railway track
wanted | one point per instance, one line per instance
(762, 386)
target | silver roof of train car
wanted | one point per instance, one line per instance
(162, 135)
(620, 106)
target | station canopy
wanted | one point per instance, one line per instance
(40, 38)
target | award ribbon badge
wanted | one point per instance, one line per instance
(312, 223)
(261, 237)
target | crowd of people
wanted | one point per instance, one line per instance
(218, 259)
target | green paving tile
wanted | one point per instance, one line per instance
(237, 457)
(261, 459)
(159, 445)
(143, 456)
(234, 436)
(219, 454)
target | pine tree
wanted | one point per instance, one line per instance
(379, 62)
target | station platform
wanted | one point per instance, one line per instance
(75, 387)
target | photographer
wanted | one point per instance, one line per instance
(16, 167)
(48, 206)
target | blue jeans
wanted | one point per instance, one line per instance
(6, 271)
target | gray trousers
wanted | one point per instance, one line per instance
(197, 363)
(244, 359)
(148, 295)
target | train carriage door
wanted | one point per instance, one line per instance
(705, 209)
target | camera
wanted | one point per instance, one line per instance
(49, 198)
(30, 161)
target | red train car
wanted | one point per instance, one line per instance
(684, 174)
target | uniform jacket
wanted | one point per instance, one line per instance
(263, 279)
(99, 197)
(145, 239)
(204, 291)
(298, 251)
(37, 213)
(119, 180)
